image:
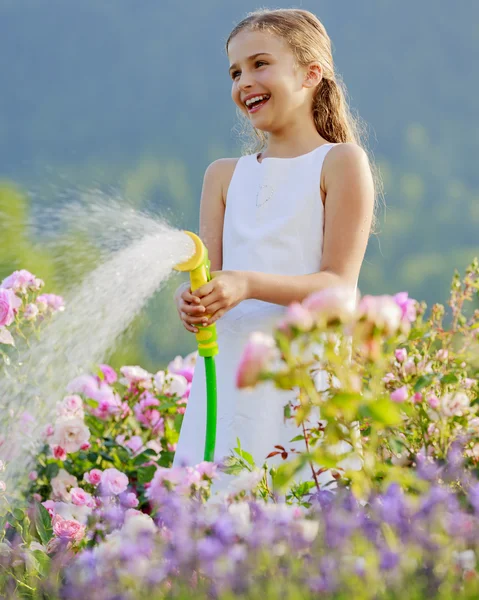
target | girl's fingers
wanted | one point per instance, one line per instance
(190, 309)
(193, 320)
(187, 296)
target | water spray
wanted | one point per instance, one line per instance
(199, 268)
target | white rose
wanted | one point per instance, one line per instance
(70, 433)
(61, 485)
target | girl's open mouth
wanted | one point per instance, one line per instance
(255, 104)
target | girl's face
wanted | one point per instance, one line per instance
(262, 67)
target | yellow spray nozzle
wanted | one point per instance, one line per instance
(199, 268)
(199, 257)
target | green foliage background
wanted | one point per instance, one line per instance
(134, 98)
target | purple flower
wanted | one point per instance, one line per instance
(50, 302)
(21, 281)
(407, 306)
(109, 374)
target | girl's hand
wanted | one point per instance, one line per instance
(225, 290)
(189, 308)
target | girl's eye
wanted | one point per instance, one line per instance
(235, 74)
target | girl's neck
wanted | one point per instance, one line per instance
(297, 140)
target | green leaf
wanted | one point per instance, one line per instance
(92, 456)
(145, 474)
(144, 457)
(422, 382)
(51, 470)
(43, 523)
(449, 378)
(298, 438)
(106, 456)
(384, 411)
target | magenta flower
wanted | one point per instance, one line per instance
(109, 374)
(83, 384)
(400, 395)
(93, 477)
(258, 356)
(80, 498)
(59, 452)
(145, 414)
(184, 366)
(9, 305)
(113, 482)
(134, 376)
(407, 306)
(400, 354)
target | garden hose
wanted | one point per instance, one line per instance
(199, 268)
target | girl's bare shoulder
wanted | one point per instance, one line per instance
(222, 171)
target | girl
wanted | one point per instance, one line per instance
(289, 219)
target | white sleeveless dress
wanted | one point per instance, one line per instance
(273, 223)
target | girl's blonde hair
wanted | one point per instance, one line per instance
(309, 42)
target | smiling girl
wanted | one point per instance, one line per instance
(287, 220)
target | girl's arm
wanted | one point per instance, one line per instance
(349, 206)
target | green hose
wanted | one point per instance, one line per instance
(211, 411)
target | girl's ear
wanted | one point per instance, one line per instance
(314, 74)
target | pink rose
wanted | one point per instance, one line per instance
(93, 477)
(135, 443)
(50, 506)
(455, 404)
(9, 305)
(80, 497)
(68, 529)
(71, 406)
(134, 376)
(70, 434)
(146, 415)
(128, 500)
(381, 312)
(433, 401)
(33, 475)
(184, 366)
(113, 482)
(61, 485)
(417, 398)
(21, 281)
(332, 304)
(172, 447)
(83, 384)
(400, 354)
(258, 355)
(175, 385)
(400, 395)
(109, 374)
(296, 317)
(442, 355)
(207, 469)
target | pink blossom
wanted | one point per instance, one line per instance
(400, 354)
(37, 497)
(21, 281)
(207, 469)
(83, 384)
(184, 366)
(154, 445)
(258, 355)
(59, 452)
(469, 383)
(3, 486)
(332, 304)
(455, 404)
(407, 306)
(128, 500)
(85, 446)
(93, 477)
(172, 447)
(134, 376)
(31, 312)
(70, 434)
(33, 475)
(113, 482)
(68, 529)
(109, 374)
(9, 305)
(442, 355)
(61, 485)
(296, 317)
(79, 497)
(109, 402)
(400, 395)
(147, 415)
(433, 401)
(49, 430)
(409, 366)
(382, 312)
(71, 406)
(417, 398)
(389, 377)
(50, 506)
(135, 443)
(52, 302)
